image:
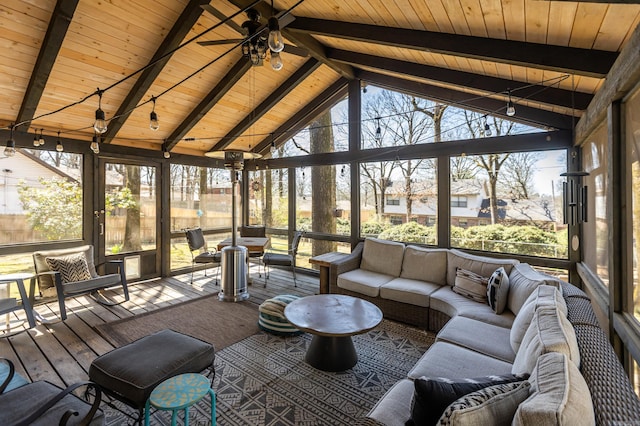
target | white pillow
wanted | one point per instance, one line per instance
(497, 290)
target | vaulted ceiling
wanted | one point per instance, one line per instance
(552, 56)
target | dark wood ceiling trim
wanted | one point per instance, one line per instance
(56, 31)
(296, 78)
(491, 85)
(228, 81)
(299, 120)
(586, 62)
(524, 114)
(180, 29)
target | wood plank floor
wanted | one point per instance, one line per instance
(61, 353)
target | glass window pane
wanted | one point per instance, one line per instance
(268, 198)
(632, 110)
(40, 197)
(509, 203)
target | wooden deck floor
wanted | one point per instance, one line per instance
(61, 353)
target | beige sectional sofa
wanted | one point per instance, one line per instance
(547, 333)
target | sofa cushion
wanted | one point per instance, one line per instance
(480, 265)
(523, 279)
(394, 408)
(550, 331)
(494, 405)
(444, 359)
(471, 285)
(450, 303)
(488, 339)
(381, 256)
(543, 295)
(497, 290)
(409, 291)
(425, 264)
(560, 395)
(363, 281)
(72, 267)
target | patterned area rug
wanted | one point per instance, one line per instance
(264, 380)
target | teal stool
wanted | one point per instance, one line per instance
(181, 392)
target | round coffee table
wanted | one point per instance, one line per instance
(332, 319)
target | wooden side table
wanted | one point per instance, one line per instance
(179, 393)
(324, 261)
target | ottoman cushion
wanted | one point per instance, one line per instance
(271, 317)
(131, 372)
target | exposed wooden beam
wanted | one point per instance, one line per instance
(296, 78)
(491, 85)
(586, 62)
(56, 31)
(299, 120)
(228, 81)
(180, 29)
(524, 114)
(221, 16)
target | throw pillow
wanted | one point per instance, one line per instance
(497, 290)
(471, 285)
(493, 405)
(72, 267)
(432, 395)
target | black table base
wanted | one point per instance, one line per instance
(331, 353)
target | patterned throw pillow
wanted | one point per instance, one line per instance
(498, 290)
(72, 267)
(493, 405)
(471, 285)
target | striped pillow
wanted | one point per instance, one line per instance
(471, 285)
(271, 317)
(72, 267)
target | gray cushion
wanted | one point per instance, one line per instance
(523, 279)
(425, 264)
(480, 265)
(488, 339)
(409, 291)
(381, 256)
(93, 283)
(446, 301)
(394, 408)
(363, 281)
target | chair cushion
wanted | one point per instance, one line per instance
(271, 316)
(72, 267)
(381, 256)
(471, 285)
(425, 264)
(497, 290)
(102, 281)
(277, 259)
(39, 262)
(25, 399)
(363, 281)
(208, 257)
(133, 370)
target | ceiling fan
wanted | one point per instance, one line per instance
(259, 39)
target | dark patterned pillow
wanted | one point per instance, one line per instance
(471, 285)
(498, 290)
(72, 267)
(493, 405)
(433, 395)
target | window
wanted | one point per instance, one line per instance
(268, 195)
(40, 197)
(458, 201)
(395, 220)
(632, 111)
(393, 201)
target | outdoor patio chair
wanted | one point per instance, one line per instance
(254, 231)
(72, 272)
(197, 244)
(43, 403)
(282, 259)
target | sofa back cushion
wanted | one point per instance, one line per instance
(425, 264)
(523, 280)
(381, 256)
(560, 395)
(483, 266)
(550, 331)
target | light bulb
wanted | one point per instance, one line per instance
(100, 125)
(276, 61)
(94, 145)
(511, 110)
(273, 148)
(10, 149)
(36, 141)
(153, 121)
(276, 42)
(41, 140)
(487, 129)
(59, 146)
(166, 154)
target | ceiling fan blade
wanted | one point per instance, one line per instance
(220, 42)
(295, 50)
(221, 16)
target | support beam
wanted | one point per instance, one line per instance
(228, 81)
(524, 114)
(296, 78)
(180, 29)
(549, 95)
(299, 120)
(585, 62)
(56, 31)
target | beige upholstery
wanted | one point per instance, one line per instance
(523, 280)
(465, 332)
(395, 406)
(383, 257)
(484, 266)
(425, 264)
(363, 281)
(409, 291)
(447, 301)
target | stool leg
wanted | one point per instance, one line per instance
(213, 407)
(186, 416)
(173, 417)
(147, 408)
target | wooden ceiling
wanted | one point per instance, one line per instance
(552, 55)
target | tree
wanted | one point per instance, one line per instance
(132, 225)
(518, 172)
(55, 209)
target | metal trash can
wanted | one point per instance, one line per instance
(233, 287)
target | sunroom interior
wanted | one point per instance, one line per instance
(501, 127)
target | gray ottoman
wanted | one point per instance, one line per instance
(131, 372)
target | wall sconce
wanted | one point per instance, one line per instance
(574, 198)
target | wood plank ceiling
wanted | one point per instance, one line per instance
(552, 55)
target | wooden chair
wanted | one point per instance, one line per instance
(282, 259)
(197, 244)
(72, 272)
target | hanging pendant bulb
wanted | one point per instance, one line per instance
(41, 139)
(378, 131)
(153, 117)
(36, 141)
(59, 146)
(10, 148)
(276, 42)
(276, 61)
(95, 147)
(511, 109)
(166, 154)
(487, 129)
(100, 125)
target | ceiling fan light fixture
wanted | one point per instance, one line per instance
(511, 109)
(276, 61)
(276, 42)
